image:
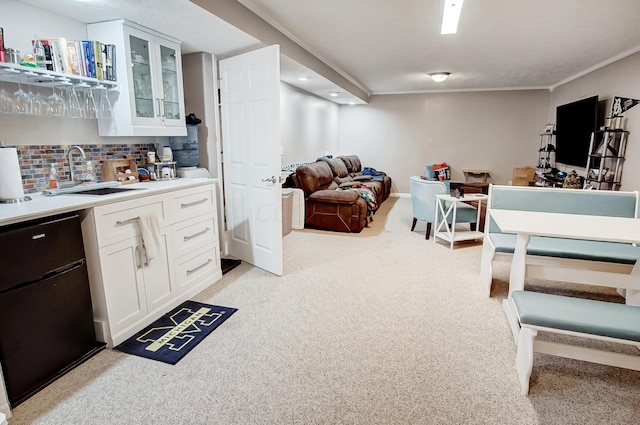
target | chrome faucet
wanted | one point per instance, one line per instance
(84, 157)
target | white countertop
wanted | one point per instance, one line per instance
(42, 206)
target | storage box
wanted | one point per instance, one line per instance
(124, 171)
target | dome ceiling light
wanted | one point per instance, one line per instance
(439, 77)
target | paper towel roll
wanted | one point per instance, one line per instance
(10, 177)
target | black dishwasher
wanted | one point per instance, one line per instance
(46, 320)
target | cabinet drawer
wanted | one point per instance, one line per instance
(191, 203)
(199, 268)
(117, 225)
(192, 234)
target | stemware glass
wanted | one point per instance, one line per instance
(57, 105)
(74, 108)
(6, 101)
(103, 104)
(90, 108)
(21, 100)
(38, 104)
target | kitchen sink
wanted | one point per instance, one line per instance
(100, 191)
(103, 188)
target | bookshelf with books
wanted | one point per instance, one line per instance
(84, 58)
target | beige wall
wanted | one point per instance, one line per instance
(399, 134)
(309, 125)
(621, 78)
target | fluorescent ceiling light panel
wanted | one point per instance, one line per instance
(450, 16)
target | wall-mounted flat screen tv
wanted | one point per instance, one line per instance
(574, 124)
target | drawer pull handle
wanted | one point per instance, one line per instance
(191, 204)
(188, 238)
(141, 258)
(127, 221)
(199, 267)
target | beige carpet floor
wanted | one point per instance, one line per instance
(382, 327)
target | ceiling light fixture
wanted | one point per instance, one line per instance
(334, 94)
(439, 77)
(303, 78)
(450, 16)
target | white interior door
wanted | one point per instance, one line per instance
(250, 98)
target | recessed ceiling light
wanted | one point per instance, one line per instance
(303, 78)
(450, 16)
(334, 94)
(439, 77)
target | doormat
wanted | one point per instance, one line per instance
(172, 336)
(229, 264)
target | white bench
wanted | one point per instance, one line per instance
(531, 312)
(593, 262)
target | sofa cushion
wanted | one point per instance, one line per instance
(342, 180)
(338, 168)
(316, 176)
(335, 196)
(352, 162)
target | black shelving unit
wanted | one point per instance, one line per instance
(546, 153)
(605, 159)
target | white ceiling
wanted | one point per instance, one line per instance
(389, 46)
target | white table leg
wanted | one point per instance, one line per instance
(519, 264)
(453, 224)
(632, 296)
(436, 222)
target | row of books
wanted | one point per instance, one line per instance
(86, 58)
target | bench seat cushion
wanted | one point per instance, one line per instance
(591, 317)
(612, 252)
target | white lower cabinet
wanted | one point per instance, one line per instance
(128, 292)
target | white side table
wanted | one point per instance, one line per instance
(446, 231)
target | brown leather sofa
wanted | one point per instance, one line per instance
(332, 189)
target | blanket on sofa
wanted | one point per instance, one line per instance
(366, 193)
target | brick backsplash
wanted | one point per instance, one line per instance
(36, 161)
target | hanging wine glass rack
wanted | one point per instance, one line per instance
(10, 72)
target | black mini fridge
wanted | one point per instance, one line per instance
(46, 320)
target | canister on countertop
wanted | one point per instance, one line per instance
(12, 55)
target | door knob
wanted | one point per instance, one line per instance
(272, 180)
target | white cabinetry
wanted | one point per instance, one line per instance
(150, 101)
(128, 292)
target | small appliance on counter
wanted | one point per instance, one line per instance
(186, 152)
(11, 190)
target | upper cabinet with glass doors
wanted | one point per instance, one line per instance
(150, 101)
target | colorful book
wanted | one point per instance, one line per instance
(48, 55)
(75, 61)
(110, 62)
(97, 59)
(61, 54)
(88, 53)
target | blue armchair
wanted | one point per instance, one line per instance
(423, 202)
